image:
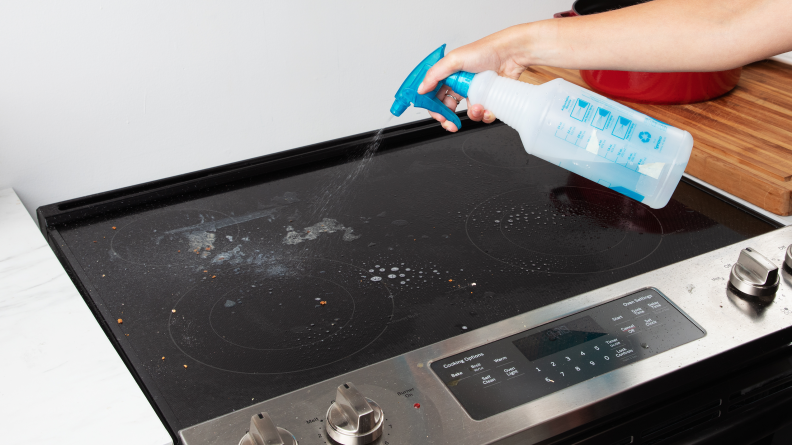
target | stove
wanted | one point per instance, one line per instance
(447, 289)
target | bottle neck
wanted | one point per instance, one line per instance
(509, 99)
(460, 82)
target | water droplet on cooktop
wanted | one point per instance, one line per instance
(382, 269)
(394, 269)
(371, 270)
(402, 275)
(376, 278)
(407, 269)
(464, 328)
(403, 282)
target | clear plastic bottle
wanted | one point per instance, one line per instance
(586, 133)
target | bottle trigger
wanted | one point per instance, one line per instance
(408, 91)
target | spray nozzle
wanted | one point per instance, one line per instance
(408, 91)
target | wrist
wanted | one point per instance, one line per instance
(530, 43)
(540, 43)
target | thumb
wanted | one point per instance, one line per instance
(445, 67)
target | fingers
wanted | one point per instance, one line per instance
(478, 113)
(449, 126)
(489, 117)
(475, 112)
(438, 117)
(449, 98)
(445, 123)
(447, 66)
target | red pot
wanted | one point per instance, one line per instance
(654, 88)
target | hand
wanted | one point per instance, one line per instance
(503, 52)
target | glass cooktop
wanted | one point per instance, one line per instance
(236, 294)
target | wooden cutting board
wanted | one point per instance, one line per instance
(742, 140)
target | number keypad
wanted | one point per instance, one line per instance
(540, 361)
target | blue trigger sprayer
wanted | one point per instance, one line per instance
(569, 126)
(408, 91)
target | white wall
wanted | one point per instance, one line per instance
(99, 95)
(785, 57)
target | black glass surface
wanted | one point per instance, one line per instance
(240, 293)
(558, 338)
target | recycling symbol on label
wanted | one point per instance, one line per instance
(645, 136)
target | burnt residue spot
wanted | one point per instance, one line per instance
(327, 225)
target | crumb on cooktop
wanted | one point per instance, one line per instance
(120, 321)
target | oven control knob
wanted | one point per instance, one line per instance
(353, 419)
(788, 258)
(753, 274)
(264, 432)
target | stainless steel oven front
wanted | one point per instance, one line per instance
(540, 374)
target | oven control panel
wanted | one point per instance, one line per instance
(515, 370)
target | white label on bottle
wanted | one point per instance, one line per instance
(593, 143)
(609, 130)
(652, 169)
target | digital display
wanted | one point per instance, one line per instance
(558, 338)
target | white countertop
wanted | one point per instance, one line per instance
(61, 381)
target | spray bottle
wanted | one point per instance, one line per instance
(571, 127)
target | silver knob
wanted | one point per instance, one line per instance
(264, 432)
(753, 274)
(353, 419)
(788, 257)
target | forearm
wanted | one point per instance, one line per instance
(663, 35)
